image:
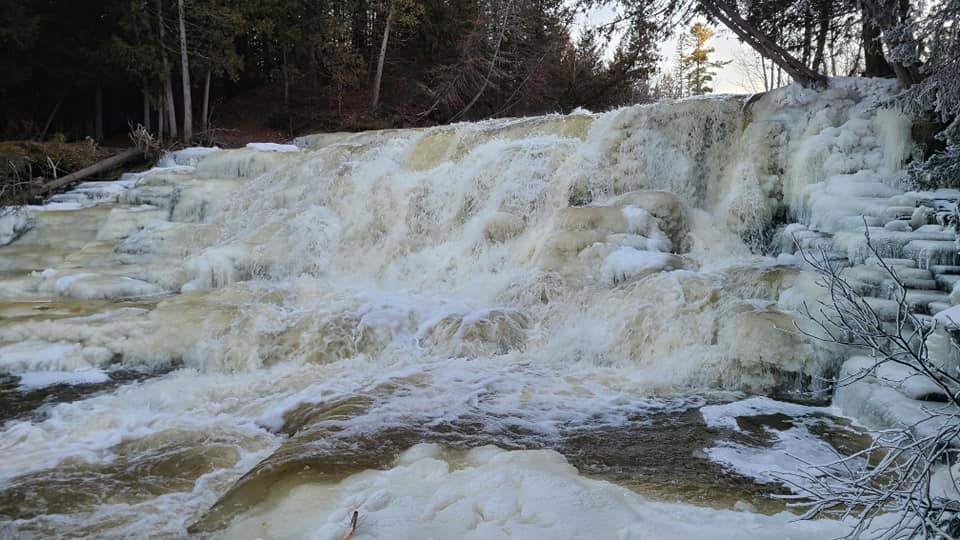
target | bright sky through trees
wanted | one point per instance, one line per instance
(729, 79)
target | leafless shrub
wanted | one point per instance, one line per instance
(145, 141)
(15, 186)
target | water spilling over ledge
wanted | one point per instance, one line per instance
(543, 284)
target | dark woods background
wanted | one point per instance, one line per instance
(86, 68)
(91, 68)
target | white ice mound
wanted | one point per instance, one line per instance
(627, 263)
(90, 286)
(725, 415)
(13, 222)
(530, 494)
(240, 163)
(187, 156)
(885, 397)
(41, 379)
(273, 147)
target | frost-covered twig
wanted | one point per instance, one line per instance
(895, 475)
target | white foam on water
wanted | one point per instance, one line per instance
(793, 453)
(90, 430)
(29, 355)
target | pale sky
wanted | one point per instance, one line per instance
(729, 79)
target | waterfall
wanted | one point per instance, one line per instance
(499, 282)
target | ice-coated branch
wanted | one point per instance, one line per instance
(904, 483)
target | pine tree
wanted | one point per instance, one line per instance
(699, 70)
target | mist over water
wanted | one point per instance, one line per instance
(479, 330)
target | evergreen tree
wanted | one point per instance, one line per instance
(699, 69)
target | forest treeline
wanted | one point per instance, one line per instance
(90, 68)
(93, 68)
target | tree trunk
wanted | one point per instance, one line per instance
(819, 63)
(856, 62)
(161, 110)
(375, 101)
(493, 66)
(98, 112)
(907, 73)
(205, 121)
(171, 108)
(681, 71)
(146, 109)
(727, 13)
(286, 81)
(807, 37)
(766, 79)
(49, 122)
(832, 54)
(185, 65)
(167, 83)
(875, 64)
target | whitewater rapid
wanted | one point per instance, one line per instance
(444, 329)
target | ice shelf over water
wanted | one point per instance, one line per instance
(328, 305)
(492, 493)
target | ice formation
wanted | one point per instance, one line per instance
(492, 493)
(502, 282)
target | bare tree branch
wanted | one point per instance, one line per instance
(893, 476)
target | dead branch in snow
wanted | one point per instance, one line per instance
(353, 525)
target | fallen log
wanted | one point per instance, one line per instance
(98, 167)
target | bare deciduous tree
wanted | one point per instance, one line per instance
(167, 103)
(185, 66)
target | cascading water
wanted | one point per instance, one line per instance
(242, 342)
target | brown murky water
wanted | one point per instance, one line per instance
(662, 455)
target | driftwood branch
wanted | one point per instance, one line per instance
(99, 167)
